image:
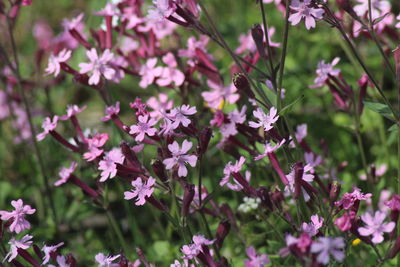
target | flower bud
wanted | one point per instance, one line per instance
(264, 194)
(334, 192)
(204, 138)
(242, 84)
(222, 232)
(187, 198)
(159, 170)
(258, 36)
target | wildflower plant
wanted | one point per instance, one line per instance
(193, 138)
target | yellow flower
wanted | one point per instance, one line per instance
(356, 242)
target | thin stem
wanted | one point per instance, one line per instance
(30, 121)
(116, 230)
(372, 33)
(270, 60)
(283, 56)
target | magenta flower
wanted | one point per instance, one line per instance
(328, 246)
(268, 149)
(170, 74)
(180, 158)
(149, 72)
(160, 105)
(264, 120)
(19, 224)
(192, 250)
(229, 170)
(47, 250)
(324, 70)
(98, 66)
(312, 228)
(72, 110)
(344, 223)
(53, 66)
(398, 23)
(23, 243)
(47, 125)
(144, 126)
(215, 98)
(394, 203)
(254, 259)
(160, 10)
(73, 23)
(105, 261)
(141, 190)
(303, 10)
(350, 199)
(375, 226)
(108, 165)
(302, 243)
(65, 173)
(111, 110)
(179, 115)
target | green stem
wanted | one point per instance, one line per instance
(117, 231)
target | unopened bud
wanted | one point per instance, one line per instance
(242, 84)
(187, 198)
(222, 232)
(258, 36)
(204, 138)
(334, 192)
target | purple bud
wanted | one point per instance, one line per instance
(242, 84)
(204, 138)
(264, 194)
(129, 153)
(187, 198)
(298, 177)
(334, 192)
(159, 170)
(222, 232)
(258, 36)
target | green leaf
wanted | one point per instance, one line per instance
(271, 95)
(380, 108)
(289, 107)
(393, 128)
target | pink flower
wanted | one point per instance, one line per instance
(228, 170)
(324, 70)
(302, 10)
(149, 72)
(268, 149)
(141, 190)
(328, 246)
(219, 94)
(53, 66)
(254, 259)
(378, 7)
(47, 250)
(178, 115)
(19, 224)
(72, 110)
(398, 23)
(192, 45)
(375, 226)
(344, 223)
(264, 120)
(160, 105)
(180, 158)
(394, 203)
(105, 261)
(192, 250)
(350, 199)
(98, 66)
(65, 173)
(170, 74)
(144, 126)
(47, 125)
(73, 23)
(312, 159)
(312, 228)
(111, 110)
(229, 128)
(302, 243)
(93, 146)
(109, 10)
(61, 261)
(24, 244)
(160, 10)
(108, 165)
(307, 176)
